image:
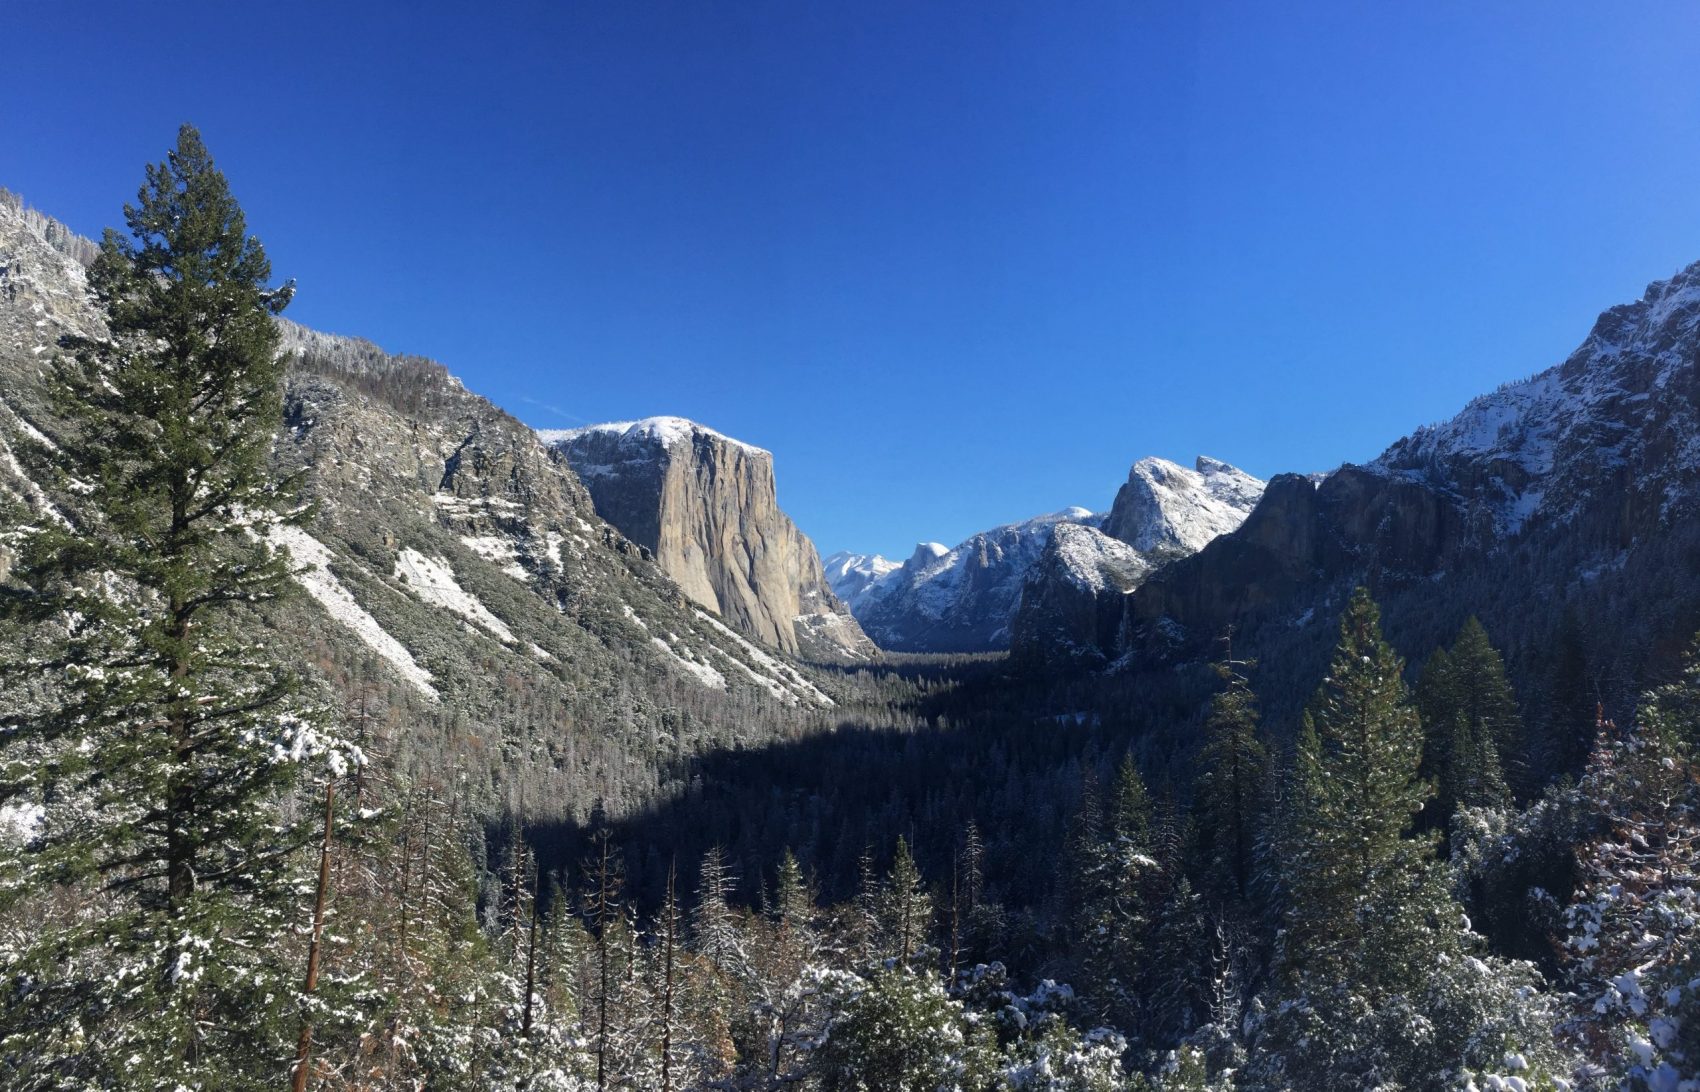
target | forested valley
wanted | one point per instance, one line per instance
(222, 871)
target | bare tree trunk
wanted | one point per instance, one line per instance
(602, 969)
(530, 964)
(670, 919)
(517, 899)
(955, 956)
(304, 1050)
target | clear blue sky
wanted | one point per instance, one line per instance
(954, 263)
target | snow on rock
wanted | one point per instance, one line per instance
(434, 581)
(1093, 561)
(499, 549)
(19, 822)
(316, 577)
(1165, 510)
(664, 432)
(779, 678)
(855, 578)
(1542, 445)
(696, 667)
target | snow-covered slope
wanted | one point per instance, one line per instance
(1544, 446)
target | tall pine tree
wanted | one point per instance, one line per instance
(162, 753)
(1233, 769)
(1360, 891)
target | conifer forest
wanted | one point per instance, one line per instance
(356, 736)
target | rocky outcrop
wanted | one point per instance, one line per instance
(705, 505)
(1304, 538)
(1166, 511)
(1071, 605)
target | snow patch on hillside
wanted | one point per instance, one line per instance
(500, 550)
(689, 661)
(434, 581)
(316, 577)
(781, 679)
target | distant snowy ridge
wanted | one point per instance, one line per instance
(855, 577)
(945, 599)
(966, 598)
(1538, 446)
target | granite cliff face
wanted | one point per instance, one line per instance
(705, 505)
(1166, 511)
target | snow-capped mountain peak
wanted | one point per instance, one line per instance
(664, 432)
(854, 577)
(1167, 510)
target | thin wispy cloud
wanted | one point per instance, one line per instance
(548, 407)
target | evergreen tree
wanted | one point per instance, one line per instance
(713, 922)
(1634, 925)
(1474, 777)
(163, 752)
(1176, 973)
(1672, 711)
(1470, 724)
(1360, 892)
(1369, 914)
(1566, 722)
(793, 898)
(604, 907)
(1487, 705)
(1233, 769)
(1437, 703)
(899, 1032)
(906, 910)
